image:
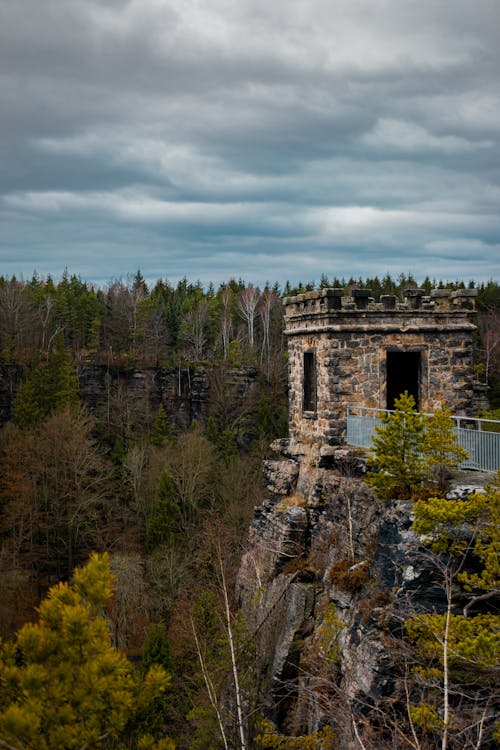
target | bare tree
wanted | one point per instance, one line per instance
(52, 488)
(118, 320)
(45, 315)
(149, 332)
(129, 610)
(226, 321)
(209, 684)
(232, 650)
(268, 300)
(247, 305)
(191, 464)
(14, 315)
(194, 330)
(490, 340)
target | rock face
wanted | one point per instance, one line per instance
(182, 391)
(328, 572)
(186, 392)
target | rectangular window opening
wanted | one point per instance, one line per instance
(309, 395)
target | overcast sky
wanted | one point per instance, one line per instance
(262, 139)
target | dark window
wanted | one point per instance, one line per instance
(403, 374)
(309, 402)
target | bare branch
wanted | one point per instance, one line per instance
(209, 685)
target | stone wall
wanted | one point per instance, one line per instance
(350, 338)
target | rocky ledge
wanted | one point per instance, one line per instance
(328, 575)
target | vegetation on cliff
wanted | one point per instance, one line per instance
(412, 453)
(455, 652)
(452, 650)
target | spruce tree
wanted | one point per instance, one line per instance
(28, 410)
(441, 450)
(397, 466)
(161, 429)
(47, 388)
(64, 687)
(165, 520)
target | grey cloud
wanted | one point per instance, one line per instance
(253, 135)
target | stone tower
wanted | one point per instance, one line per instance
(350, 350)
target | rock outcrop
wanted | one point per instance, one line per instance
(187, 392)
(329, 573)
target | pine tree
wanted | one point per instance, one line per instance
(47, 388)
(62, 382)
(64, 687)
(28, 410)
(161, 429)
(397, 467)
(440, 448)
(485, 580)
(156, 647)
(165, 520)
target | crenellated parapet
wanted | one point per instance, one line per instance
(333, 304)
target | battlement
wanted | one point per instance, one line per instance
(334, 301)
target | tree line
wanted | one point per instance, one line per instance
(162, 323)
(128, 322)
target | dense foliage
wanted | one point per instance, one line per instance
(64, 686)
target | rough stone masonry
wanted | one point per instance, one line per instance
(350, 350)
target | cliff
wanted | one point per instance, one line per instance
(188, 393)
(328, 576)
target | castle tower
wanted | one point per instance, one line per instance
(350, 350)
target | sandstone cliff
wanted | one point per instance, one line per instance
(187, 392)
(329, 573)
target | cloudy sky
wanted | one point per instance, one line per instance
(262, 139)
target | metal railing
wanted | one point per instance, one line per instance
(482, 445)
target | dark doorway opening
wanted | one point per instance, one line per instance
(403, 374)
